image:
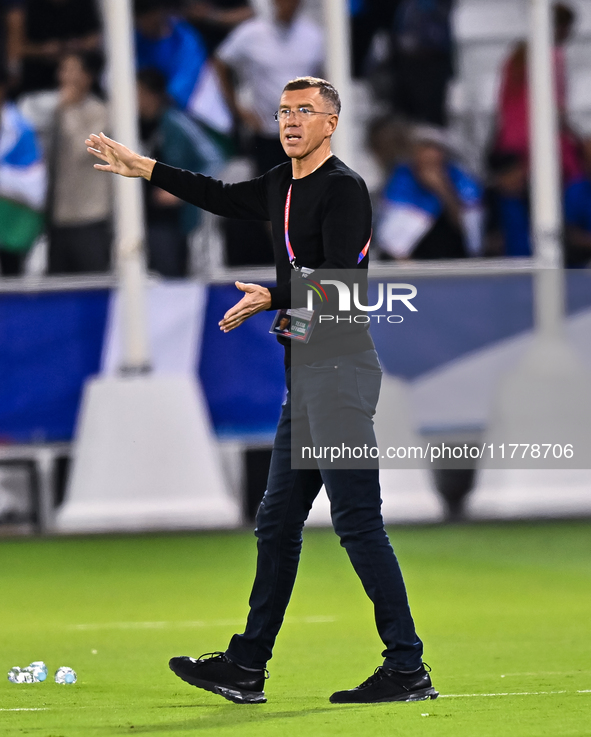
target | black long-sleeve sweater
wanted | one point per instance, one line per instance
(329, 224)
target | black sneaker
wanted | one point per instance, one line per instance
(389, 685)
(215, 672)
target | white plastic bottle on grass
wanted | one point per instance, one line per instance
(65, 675)
(39, 671)
(18, 675)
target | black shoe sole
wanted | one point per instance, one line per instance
(420, 695)
(231, 693)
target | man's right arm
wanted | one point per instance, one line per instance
(244, 200)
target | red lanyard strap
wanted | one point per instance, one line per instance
(364, 250)
(290, 253)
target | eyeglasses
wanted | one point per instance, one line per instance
(301, 112)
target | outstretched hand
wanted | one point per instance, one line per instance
(256, 299)
(119, 159)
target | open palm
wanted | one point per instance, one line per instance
(119, 158)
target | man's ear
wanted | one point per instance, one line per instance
(332, 121)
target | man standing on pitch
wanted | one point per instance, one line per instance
(320, 214)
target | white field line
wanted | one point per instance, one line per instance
(41, 709)
(441, 696)
(547, 673)
(516, 693)
(190, 624)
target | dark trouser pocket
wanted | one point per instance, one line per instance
(369, 382)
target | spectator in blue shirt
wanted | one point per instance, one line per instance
(506, 204)
(174, 47)
(431, 207)
(170, 45)
(577, 215)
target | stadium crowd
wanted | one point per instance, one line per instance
(210, 73)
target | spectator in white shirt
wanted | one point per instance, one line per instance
(255, 62)
(79, 207)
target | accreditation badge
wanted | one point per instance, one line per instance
(295, 324)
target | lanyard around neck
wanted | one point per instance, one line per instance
(288, 246)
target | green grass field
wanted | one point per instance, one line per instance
(504, 611)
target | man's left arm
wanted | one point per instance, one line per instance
(256, 299)
(346, 228)
(346, 223)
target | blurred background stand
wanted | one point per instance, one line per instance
(497, 312)
(547, 397)
(144, 455)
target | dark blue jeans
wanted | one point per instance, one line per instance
(356, 516)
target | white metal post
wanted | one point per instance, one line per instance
(545, 171)
(129, 215)
(145, 454)
(338, 72)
